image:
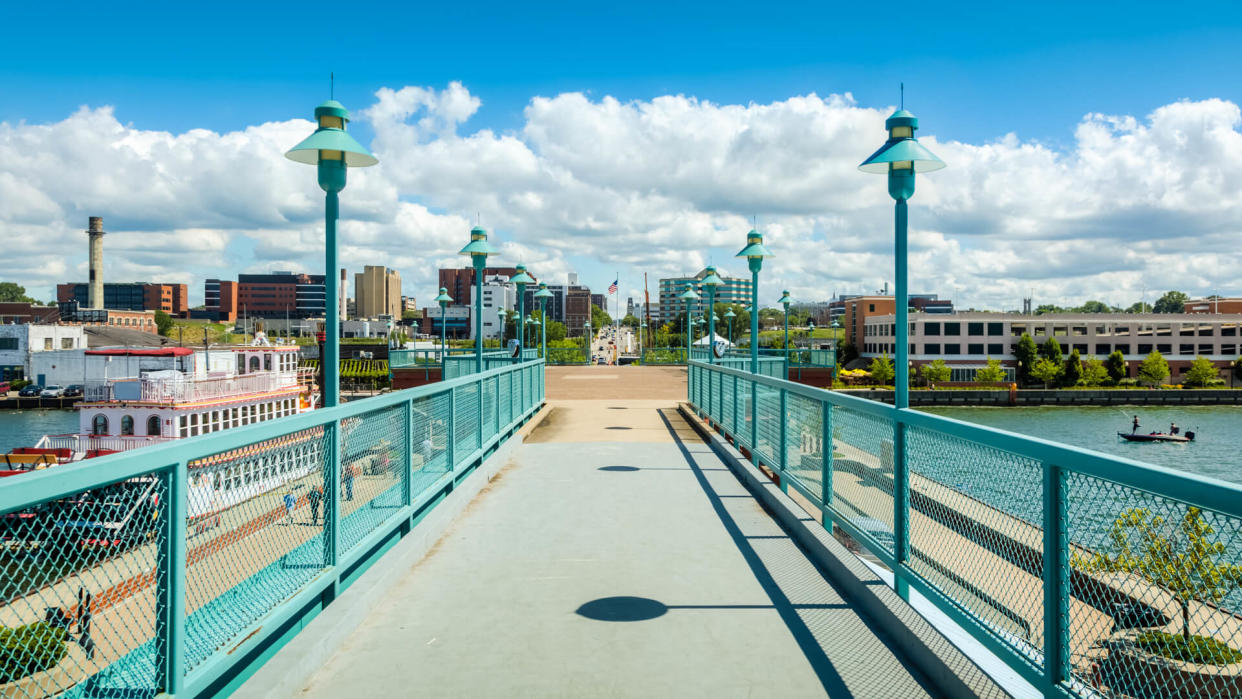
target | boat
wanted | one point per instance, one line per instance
(1157, 437)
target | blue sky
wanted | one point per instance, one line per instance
(978, 74)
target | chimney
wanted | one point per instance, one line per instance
(96, 232)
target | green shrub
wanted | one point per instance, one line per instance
(25, 650)
(1127, 383)
(18, 384)
(1196, 649)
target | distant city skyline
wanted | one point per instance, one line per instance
(1091, 154)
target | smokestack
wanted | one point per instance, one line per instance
(96, 232)
(341, 297)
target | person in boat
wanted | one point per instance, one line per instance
(1134, 429)
(1173, 429)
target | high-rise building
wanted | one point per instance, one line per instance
(377, 292)
(274, 295)
(460, 282)
(132, 296)
(735, 290)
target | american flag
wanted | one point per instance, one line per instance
(612, 288)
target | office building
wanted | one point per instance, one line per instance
(377, 292)
(735, 290)
(460, 282)
(852, 311)
(275, 295)
(172, 299)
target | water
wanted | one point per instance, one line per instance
(22, 428)
(1214, 452)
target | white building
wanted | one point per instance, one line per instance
(498, 293)
(19, 342)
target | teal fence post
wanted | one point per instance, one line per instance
(332, 513)
(754, 421)
(450, 449)
(408, 493)
(497, 401)
(1056, 578)
(825, 451)
(733, 427)
(901, 507)
(170, 581)
(478, 387)
(783, 459)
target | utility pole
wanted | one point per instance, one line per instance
(647, 308)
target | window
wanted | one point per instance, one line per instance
(974, 329)
(996, 329)
(66, 343)
(1017, 329)
(1103, 349)
(1228, 330)
(931, 328)
(153, 426)
(241, 364)
(1059, 331)
(99, 426)
(974, 348)
(1124, 349)
(952, 328)
(254, 363)
(267, 362)
(933, 348)
(1164, 349)
(1185, 349)
(871, 308)
(47, 343)
(1229, 349)
(1040, 331)
(1186, 330)
(952, 349)
(1078, 330)
(995, 349)
(1205, 331)
(8, 343)
(1205, 349)
(1101, 329)
(1144, 349)
(127, 425)
(1164, 330)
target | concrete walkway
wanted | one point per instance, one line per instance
(615, 555)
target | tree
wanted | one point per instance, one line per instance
(556, 331)
(630, 321)
(847, 353)
(1181, 558)
(1073, 369)
(1096, 307)
(1154, 370)
(1026, 351)
(1051, 349)
(411, 315)
(881, 370)
(163, 323)
(1139, 307)
(1047, 370)
(936, 372)
(1172, 302)
(1048, 308)
(1201, 371)
(1117, 368)
(12, 292)
(599, 318)
(1093, 372)
(992, 373)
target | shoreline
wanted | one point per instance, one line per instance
(1072, 397)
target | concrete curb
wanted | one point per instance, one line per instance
(286, 672)
(945, 667)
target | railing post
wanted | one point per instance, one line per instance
(450, 449)
(497, 401)
(754, 420)
(1056, 578)
(170, 581)
(478, 388)
(783, 458)
(409, 452)
(733, 427)
(901, 507)
(825, 452)
(332, 514)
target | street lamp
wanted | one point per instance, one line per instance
(688, 296)
(444, 300)
(333, 151)
(642, 328)
(501, 312)
(478, 249)
(900, 157)
(530, 322)
(785, 301)
(586, 341)
(711, 281)
(730, 315)
(521, 279)
(543, 295)
(754, 252)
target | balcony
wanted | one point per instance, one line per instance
(179, 389)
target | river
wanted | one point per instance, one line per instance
(22, 428)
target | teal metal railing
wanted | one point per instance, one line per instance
(404, 358)
(663, 355)
(179, 568)
(458, 365)
(1083, 572)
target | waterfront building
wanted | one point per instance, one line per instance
(735, 290)
(498, 293)
(19, 342)
(1213, 305)
(967, 340)
(377, 292)
(172, 299)
(274, 295)
(853, 311)
(142, 321)
(456, 322)
(14, 312)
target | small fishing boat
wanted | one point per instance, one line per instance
(1157, 437)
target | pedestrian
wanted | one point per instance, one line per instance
(348, 478)
(290, 502)
(1135, 428)
(315, 496)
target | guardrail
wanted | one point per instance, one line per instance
(1083, 572)
(403, 358)
(457, 365)
(177, 567)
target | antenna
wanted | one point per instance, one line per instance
(903, 95)
(331, 86)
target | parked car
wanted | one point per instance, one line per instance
(52, 392)
(73, 390)
(5, 387)
(31, 391)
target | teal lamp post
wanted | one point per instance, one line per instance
(478, 249)
(586, 341)
(754, 252)
(900, 158)
(730, 315)
(689, 296)
(521, 279)
(712, 281)
(444, 300)
(501, 313)
(642, 329)
(543, 295)
(334, 152)
(785, 301)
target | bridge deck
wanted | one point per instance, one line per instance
(615, 555)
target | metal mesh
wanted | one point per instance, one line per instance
(256, 534)
(466, 429)
(429, 460)
(79, 591)
(862, 472)
(489, 406)
(770, 418)
(1146, 573)
(964, 535)
(804, 442)
(373, 468)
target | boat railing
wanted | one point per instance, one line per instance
(185, 390)
(106, 443)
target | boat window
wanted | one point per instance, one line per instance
(267, 362)
(254, 363)
(99, 426)
(241, 363)
(127, 425)
(153, 426)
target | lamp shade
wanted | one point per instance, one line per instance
(901, 148)
(785, 300)
(754, 246)
(543, 292)
(730, 314)
(712, 280)
(689, 294)
(522, 277)
(330, 138)
(444, 298)
(478, 245)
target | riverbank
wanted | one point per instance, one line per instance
(1037, 396)
(35, 403)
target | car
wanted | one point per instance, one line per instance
(31, 391)
(52, 392)
(73, 390)
(5, 387)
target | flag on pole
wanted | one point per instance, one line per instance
(612, 288)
